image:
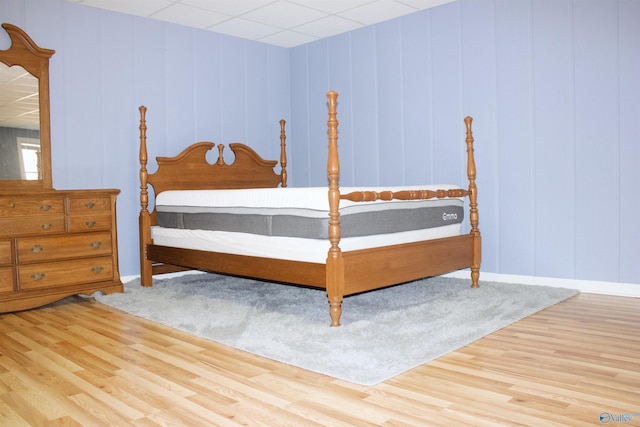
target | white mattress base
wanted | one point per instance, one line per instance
(288, 248)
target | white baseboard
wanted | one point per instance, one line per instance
(587, 286)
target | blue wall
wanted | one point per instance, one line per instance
(552, 85)
(554, 91)
(197, 85)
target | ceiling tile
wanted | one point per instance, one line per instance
(327, 27)
(378, 11)
(240, 27)
(331, 6)
(228, 7)
(190, 16)
(287, 38)
(284, 14)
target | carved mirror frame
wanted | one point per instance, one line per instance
(25, 53)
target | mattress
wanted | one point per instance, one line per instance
(303, 212)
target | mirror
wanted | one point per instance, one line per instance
(25, 137)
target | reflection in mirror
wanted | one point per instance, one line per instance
(19, 124)
(25, 129)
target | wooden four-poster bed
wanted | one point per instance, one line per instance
(241, 219)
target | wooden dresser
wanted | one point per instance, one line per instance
(54, 244)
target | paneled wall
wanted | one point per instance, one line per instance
(554, 91)
(197, 86)
(552, 85)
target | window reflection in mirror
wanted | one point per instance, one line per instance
(19, 124)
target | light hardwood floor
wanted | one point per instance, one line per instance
(81, 363)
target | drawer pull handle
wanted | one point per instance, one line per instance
(90, 205)
(90, 224)
(45, 207)
(96, 245)
(38, 276)
(46, 226)
(37, 249)
(97, 270)
(12, 205)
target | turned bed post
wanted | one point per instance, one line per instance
(473, 204)
(283, 153)
(144, 219)
(335, 261)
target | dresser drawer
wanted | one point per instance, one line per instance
(6, 279)
(38, 224)
(65, 273)
(18, 207)
(5, 252)
(37, 249)
(99, 221)
(88, 205)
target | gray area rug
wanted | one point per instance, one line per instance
(383, 333)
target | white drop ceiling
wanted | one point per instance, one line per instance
(286, 23)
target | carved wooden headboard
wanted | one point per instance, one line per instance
(190, 169)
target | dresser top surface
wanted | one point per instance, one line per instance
(59, 193)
